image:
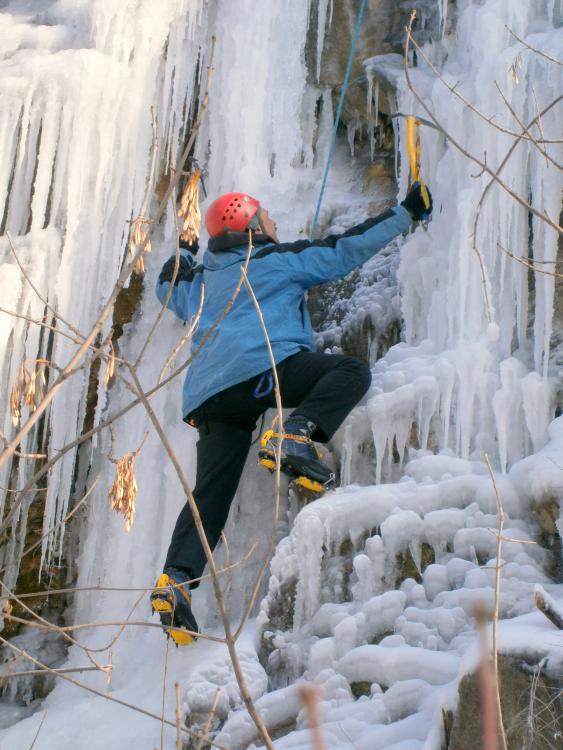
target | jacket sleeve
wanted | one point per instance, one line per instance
(179, 299)
(312, 263)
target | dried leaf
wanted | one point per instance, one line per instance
(139, 229)
(123, 492)
(189, 209)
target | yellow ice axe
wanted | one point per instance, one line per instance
(413, 149)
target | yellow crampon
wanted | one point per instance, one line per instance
(413, 149)
(163, 606)
(267, 458)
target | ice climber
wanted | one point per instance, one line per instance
(229, 385)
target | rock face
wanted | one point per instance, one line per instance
(382, 32)
(532, 706)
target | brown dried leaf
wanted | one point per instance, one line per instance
(123, 492)
(189, 209)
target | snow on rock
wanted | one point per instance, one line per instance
(202, 684)
(387, 666)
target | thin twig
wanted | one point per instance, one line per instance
(205, 736)
(58, 670)
(543, 151)
(533, 266)
(496, 612)
(540, 125)
(279, 409)
(119, 285)
(178, 717)
(229, 640)
(38, 730)
(41, 323)
(534, 49)
(42, 622)
(56, 315)
(455, 91)
(166, 654)
(542, 216)
(146, 589)
(92, 625)
(56, 526)
(186, 336)
(170, 291)
(136, 401)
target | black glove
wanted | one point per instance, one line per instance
(414, 203)
(193, 248)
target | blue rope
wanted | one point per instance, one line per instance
(338, 113)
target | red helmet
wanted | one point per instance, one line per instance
(232, 211)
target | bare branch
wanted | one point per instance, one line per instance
(525, 130)
(54, 528)
(542, 216)
(484, 277)
(145, 590)
(178, 717)
(496, 612)
(279, 409)
(534, 49)
(185, 336)
(166, 654)
(38, 730)
(124, 275)
(172, 281)
(454, 90)
(205, 735)
(56, 315)
(533, 266)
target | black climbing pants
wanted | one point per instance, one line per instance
(322, 387)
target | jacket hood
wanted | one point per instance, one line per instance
(228, 240)
(233, 250)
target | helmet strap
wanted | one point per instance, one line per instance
(256, 222)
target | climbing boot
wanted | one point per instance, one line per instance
(171, 599)
(300, 458)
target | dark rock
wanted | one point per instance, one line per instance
(532, 707)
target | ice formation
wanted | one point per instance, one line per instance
(471, 376)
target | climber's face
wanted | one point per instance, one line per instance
(268, 224)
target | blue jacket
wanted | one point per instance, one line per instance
(279, 275)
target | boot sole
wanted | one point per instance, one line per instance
(164, 607)
(312, 485)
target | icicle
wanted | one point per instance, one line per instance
(321, 27)
(352, 127)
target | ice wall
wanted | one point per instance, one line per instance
(474, 369)
(78, 80)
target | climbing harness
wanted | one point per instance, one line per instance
(267, 458)
(338, 113)
(413, 149)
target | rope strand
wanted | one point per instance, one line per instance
(338, 113)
